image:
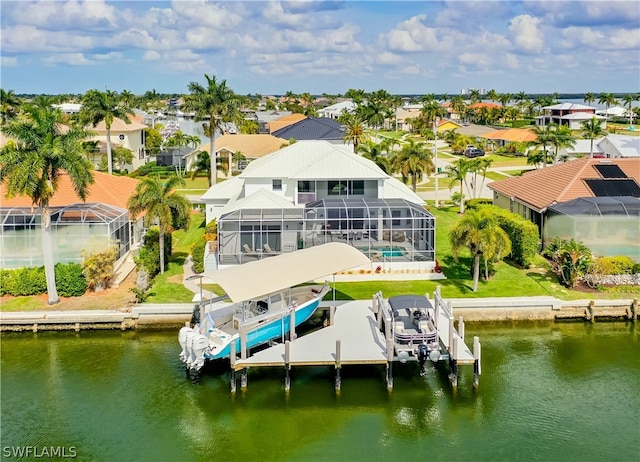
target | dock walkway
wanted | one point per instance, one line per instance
(354, 325)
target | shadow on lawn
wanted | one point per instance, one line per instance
(458, 273)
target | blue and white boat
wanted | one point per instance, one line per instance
(264, 302)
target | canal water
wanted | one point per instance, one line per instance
(567, 392)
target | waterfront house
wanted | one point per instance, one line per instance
(127, 135)
(313, 192)
(534, 193)
(102, 221)
(570, 114)
(313, 128)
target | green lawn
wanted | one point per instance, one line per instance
(505, 161)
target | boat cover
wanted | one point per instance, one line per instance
(262, 277)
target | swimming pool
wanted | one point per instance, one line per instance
(387, 251)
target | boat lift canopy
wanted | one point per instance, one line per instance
(263, 277)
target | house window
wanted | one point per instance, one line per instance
(306, 186)
(276, 185)
(358, 187)
(336, 188)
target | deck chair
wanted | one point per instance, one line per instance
(267, 249)
(248, 250)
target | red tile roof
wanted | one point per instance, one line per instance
(107, 189)
(559, 183)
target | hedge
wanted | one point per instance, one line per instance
(149, 257)
(70, 281)
(197, 254)
(23, 281)
(524, 234)
(613, 265)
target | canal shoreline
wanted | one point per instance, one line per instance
(163, 316)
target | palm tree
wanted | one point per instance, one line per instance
(561, 137)
(413, 161)
(588, 98)
(592, 129)
(457, 171)
(354, 132)
(608, 100)
(98, 106)
(492, 95)
(478, 231)
(9, 105)
(32, 165)
(544, 136)
(628, 103)
(161, 204)
(202, 165)
(215, 102)
(376, 152)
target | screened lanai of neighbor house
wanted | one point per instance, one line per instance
(75, 229)
(609, 226)
(393, 232)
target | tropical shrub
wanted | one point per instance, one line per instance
(24, 281)
(612, 265)
(69, 280)
(149, 257)
(572, 259)
(636, 268)
(524, 234)
(197, 255)
(98, 268)
(478, 202)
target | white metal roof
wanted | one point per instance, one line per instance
(396, 189)
(314, 160)
(568, 106)
(261, 199)
(230, 188)
(262, 277)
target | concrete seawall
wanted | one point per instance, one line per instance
(162, 316)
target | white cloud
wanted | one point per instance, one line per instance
(29, 39)
(206, 14)
(72, 59)
(388, 58)
(8, 61)
(411, 35)
(57, 15)
(151, 55)
(620, 39)
(526, 34)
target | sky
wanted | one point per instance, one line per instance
(271, 47)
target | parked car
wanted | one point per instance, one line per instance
(473, 152)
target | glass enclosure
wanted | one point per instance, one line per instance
(386, 230)
(609, 226)
(74, 229)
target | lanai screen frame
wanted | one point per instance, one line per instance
(76, 227)
(386, 230)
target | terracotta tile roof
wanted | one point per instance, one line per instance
(559, 183)
(107, 189)
(487, 105)
(285, 121)
(252, 146)
(512, 134)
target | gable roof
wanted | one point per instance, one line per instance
(285, 121)
(563, 182)
(227, 189)
(252, 146)
(314, 160)
(569, 107)
(107, 189)
(312, 128)
(261, 199)
(511, 134)
(119, 125)
(621, 145)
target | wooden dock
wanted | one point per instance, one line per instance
(360, 332)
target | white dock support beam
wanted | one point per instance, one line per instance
(292, 325)
(477, 369)
(287, 365)
(338, 384)
(461, 327)
(232, 359)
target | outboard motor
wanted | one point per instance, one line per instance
(182, 339)
(422, 358)
(199, 344)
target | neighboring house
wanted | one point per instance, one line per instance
(313, 192)
(620, 146)
(531, 194)
(446, 124)
(510, 135)
(336, 110)
(251, 146)
(101, 221)
(569, 114)
(285, 121)
(128, 135)
(615, 111)
(68, 108)
(404, 115)
(265, 117)
(313, 128)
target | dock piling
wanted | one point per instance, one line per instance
(243, 379)
(591, 308)
(232, 359)
(287, 365)
(292, 325)
(461, 327)
(332, 314)
(390, 350)
(338, 384)
(476, 364)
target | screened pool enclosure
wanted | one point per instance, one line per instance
(388, 231)
(609, 226)
(74, 229)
